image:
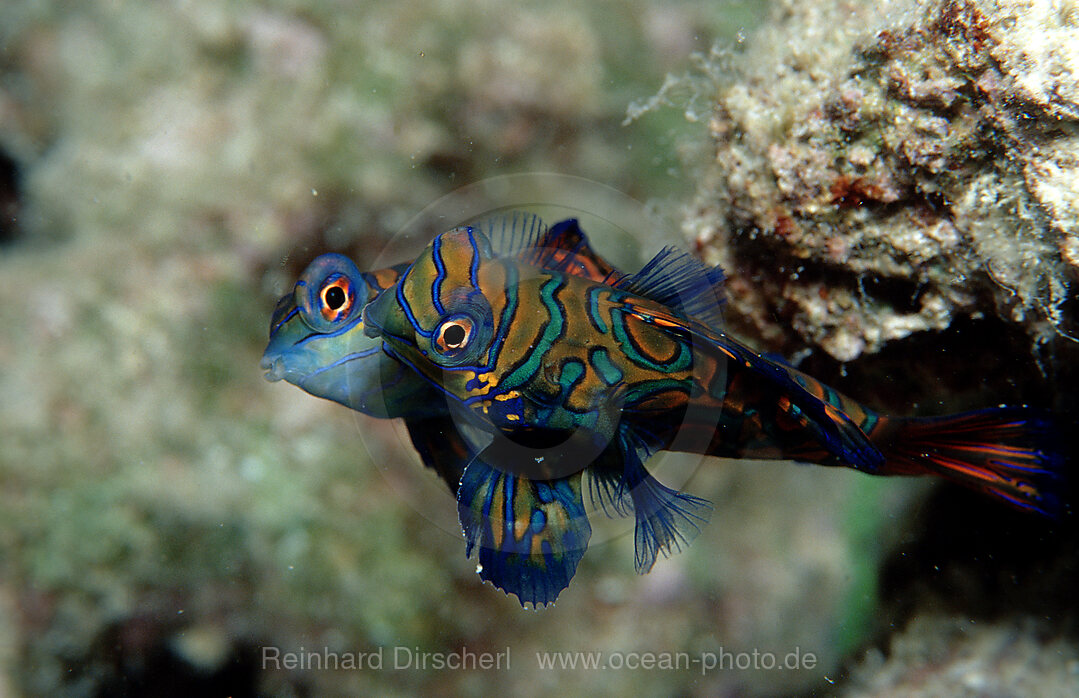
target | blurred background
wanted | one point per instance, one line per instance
(168, 168)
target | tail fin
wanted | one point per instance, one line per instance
(1013, 453)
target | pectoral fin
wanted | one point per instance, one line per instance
(666, 520)
(441, 447)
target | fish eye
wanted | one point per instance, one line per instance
(334, 297)
(453, 335)
(337, 297)
(330, 293)
(462, 333)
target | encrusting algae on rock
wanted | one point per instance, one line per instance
(884, 169)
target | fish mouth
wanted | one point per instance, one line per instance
(274, 367)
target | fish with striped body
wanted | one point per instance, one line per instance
(597, 376)
(317, 339)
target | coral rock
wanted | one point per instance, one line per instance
(883, 169)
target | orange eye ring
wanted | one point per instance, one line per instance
(336, 297)
(453, 335)
(330, 293)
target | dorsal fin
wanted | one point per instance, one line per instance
(512, 233)
(565, 248)
(673, 277)
(676, 279)
(562, 241)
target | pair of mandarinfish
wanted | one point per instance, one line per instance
(528, 371)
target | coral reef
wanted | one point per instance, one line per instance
(883, 169)
(896, 184)
(949, 656)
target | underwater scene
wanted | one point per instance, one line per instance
(652, 347)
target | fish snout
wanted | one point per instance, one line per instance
(274, 367)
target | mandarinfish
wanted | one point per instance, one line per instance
(571, 375)
(317, 339)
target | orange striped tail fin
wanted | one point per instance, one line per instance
(1012, 453)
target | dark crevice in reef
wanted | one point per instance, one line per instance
(972, 364)
(964, 554)
(970, 556)
(973, 557)
(784, 267)
(136, 657)
(10, 199)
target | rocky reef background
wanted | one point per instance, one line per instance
(894, 192)
(891, 187)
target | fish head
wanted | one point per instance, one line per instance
(317, 339)
(438, 317)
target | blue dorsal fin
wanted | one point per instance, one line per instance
(835, 430)
(530, 534)
(676, 279)
(512, 233)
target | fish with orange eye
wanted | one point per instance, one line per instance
(579, 380)
(317, 340)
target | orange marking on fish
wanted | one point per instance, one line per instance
(496, 512)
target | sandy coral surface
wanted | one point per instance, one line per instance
(883, 170)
